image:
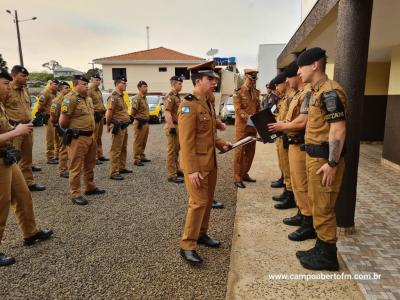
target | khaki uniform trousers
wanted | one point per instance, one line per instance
(323, 198)
(283, 158)
(118, 151)
(50, 144)
(172, 153)
(98, 132)
(82, 155)
(298, 177)
(25, 144)
(139, 144)
(15, 193)
(243, 157)
(62, 153)
(198, 215)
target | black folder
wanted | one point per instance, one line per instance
(261, 121)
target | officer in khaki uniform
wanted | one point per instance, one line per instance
(99, 111)
(246, 101)
(55, 112)
(324, 142)
(140, 112)
(77, 114)
(294, 126)
(198, 139)
(286, 199)
(14, 191)
(46, 98)
(118, 120)
(171, 104)
(18, 109)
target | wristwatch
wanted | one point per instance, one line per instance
(333, 163)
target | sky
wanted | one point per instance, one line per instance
(74, 32)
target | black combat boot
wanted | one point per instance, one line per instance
(278, 183)
(324, 257)
(295, 220)
(282, 196)
(289, 202)
(305, 232)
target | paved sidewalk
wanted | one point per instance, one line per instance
(261, 248)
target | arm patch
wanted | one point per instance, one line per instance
(306, 103)
(333, 107)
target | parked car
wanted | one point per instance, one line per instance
(156, 108)
(228, 111)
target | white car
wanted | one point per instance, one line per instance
(228, 111)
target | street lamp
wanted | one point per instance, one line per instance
(16, 21)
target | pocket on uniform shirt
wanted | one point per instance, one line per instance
(204, 122)
(201, 148)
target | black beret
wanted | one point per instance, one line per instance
(271, 85)
(291, 70)
(19, 69)
(141, 83)
(4, 74)
(80, 77)
(97, 76)
(120, 78)
(64, 83)
(55, 80)
(280, 78)
(311, 55)
(176, 78)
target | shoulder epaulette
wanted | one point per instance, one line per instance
(190, 97)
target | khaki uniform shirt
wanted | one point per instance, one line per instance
(295, 105)
(117, 105)
(80, 110)
(198, 134)
(246, 103)
(18, 104)
(97, 99)
(55, 109)
(4, 126)
(327, 104)
(46, 98)
(284, 103)
(140, 108)
(171, 104)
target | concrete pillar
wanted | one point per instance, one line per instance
(353, 31)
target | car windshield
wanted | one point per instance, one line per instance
(152, 99)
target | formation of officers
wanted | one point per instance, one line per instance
(310, 113)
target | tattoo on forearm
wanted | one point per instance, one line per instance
(334, 150)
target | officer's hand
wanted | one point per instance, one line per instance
(227, 146)
(329, 174)
(221, 126)
(23, 129)
(195, 178)
(274, 127)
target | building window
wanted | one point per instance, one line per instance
(118, 72)
(184, 72)
(162, 69)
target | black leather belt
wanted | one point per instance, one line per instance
(85, 133)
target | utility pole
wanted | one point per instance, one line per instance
(148, 37)
(17, 21)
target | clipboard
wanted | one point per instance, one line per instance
(261, 120)
(240, 143)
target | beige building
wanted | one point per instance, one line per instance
(155, 66)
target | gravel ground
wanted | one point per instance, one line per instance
(124, 245)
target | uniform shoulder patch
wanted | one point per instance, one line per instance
(190, 97)
(66, 101)
(185, 109)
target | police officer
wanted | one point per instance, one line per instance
(287, 197)
(117, 120)
(46, 97)
(198, 138)
(14, 191)
(140, 112)
(99, 111)
(171, 104)
(77, 114)
(55, 112)
(246, 102)
(18, 109)
(294, 126)
(324, 142)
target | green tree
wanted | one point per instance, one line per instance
(92, 72)
(3, 63)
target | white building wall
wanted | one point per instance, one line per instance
(266, 61)
(306, 6)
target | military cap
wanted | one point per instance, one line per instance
(55, 80)
(80, 77)
(4, 74)
(63, 83)
(176, 78)
(280, 78)
(120, 78)
(206, 69)
(311, 55)
(19, 69)
(141, 83)
(251, 73)
(291, 70)
(97, 76)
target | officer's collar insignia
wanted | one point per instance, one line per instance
(185, 109)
